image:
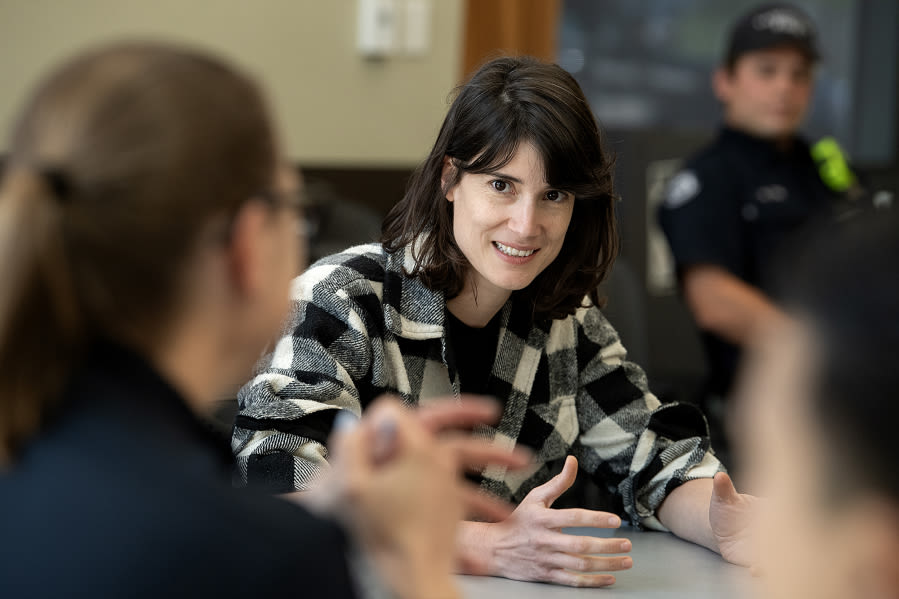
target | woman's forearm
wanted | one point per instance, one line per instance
(685, 512)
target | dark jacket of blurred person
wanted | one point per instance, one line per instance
(737, 201)
(106, 504)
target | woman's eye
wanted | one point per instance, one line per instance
(554, 195)
(499, 185)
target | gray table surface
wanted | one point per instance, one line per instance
(664, 566)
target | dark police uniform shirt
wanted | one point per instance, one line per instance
(127, 494)
(734, 205)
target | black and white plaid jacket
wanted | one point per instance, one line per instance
(361, 327)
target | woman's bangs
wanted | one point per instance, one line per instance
(497, 153)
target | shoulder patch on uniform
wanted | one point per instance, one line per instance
(683, 187)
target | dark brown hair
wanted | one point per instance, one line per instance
(121, 158)
(506, 102)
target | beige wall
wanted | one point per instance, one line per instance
(334, 106)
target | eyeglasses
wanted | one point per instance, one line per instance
(295, 200)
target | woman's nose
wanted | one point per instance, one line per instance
(524, 219)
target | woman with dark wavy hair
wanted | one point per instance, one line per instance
(486, 281)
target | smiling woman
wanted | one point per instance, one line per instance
(510, 226)
(486, 282)
(533, 114)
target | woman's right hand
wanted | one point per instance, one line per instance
(529, 545)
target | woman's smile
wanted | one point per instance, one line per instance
(512, 252)
(510, 224)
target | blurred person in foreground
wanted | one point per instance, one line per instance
(751, 190)
(818, 402)
(148, 237)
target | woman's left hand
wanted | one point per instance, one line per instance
(732, 519)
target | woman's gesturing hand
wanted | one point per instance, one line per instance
(529, 545)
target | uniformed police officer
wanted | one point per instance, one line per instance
(740, 198)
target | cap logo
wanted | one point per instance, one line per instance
(780, 21)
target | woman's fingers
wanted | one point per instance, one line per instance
(574, 517)
(589, 563)
(575, 579)
(551, 490)
(553, 541)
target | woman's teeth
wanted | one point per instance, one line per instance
(509, 251)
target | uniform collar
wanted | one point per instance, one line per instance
(762, 146)
(118, 382)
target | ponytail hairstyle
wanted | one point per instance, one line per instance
(118, 163)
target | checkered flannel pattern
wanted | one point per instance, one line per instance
(361, 327)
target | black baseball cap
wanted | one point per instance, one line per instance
(770, 26)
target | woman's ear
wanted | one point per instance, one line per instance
(446, 175)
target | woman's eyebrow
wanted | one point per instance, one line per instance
(504, 176)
